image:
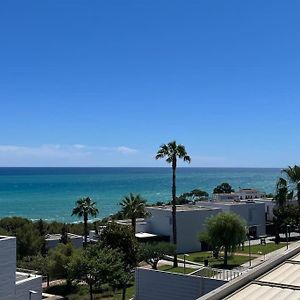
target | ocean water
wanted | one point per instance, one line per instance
(50, 193)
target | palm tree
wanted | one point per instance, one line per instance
(172, 152)
(85, 207)
(293, 174)
(281, 192)
(133, 207)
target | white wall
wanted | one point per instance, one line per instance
(7, 267)
(30, 284)
(157, 285)
(252, 212)
(189, 225)
(160, 221)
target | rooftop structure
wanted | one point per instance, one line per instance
(52, 240)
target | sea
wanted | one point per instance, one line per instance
(51, 193)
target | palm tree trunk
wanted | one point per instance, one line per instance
(175, 262)
(133, 225)
(298, 193)
(85, 219)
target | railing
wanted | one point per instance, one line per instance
(220, 274)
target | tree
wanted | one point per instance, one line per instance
(120, 237)
(152, 253)
(29, 242)
(133, 207)
(59, 258)
(194, 195)
(225, 230)
(293, 174)
(85, 207)
(223, 188)
(172, 152)
(95, 265)
(64, 235)
(282, 192)
(286, 215)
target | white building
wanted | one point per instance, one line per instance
(251, 211)
(225, 197)
(245, 194)
(16, 285)
(190, 220)
(52, 240)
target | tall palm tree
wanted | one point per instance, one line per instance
(293, 174)
(85, 207)
(281, 196)
(171, 152)
(133, 207)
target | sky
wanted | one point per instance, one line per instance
(105, 83)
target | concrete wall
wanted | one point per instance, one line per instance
(189, 225)
(7, 267)
(157, 285)
(30, 284)
(160, 221)
(252, 213)
(77, 242)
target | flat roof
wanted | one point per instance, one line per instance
(182, 207)
(57, 236)
(282, 282)
(144, 235)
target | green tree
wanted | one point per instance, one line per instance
(152, 253)
(286, 215)
(172, 152)
(133, 207)
(120, 237)
(29, 242)
(59, 258)
(85, 207)
(293, 174)
(95, 265)
(64, 235)
(225, 230)
(223, 188)
(192, 196)
(282, 193)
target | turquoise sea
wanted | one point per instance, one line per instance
(50, 193)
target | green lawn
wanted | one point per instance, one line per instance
(179, 270)
(81, 292)
(261, 249)
(233, 260)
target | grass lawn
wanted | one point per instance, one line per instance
(81, 292)
(179, 270)
(233, 260)
(261, 249)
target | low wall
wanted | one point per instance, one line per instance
(30, 284)
(158, 285)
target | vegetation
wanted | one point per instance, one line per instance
(85, 207)
(233, 260)
(260, 249)
(152, 253)
(293, 174)
(95, 266)
(133, 207)
(172, 152)
(223, 188)
(282, 192)
(224, 231)
(192, 196)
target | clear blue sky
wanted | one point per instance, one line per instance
(104, 83)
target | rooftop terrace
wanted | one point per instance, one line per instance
(182, 207)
